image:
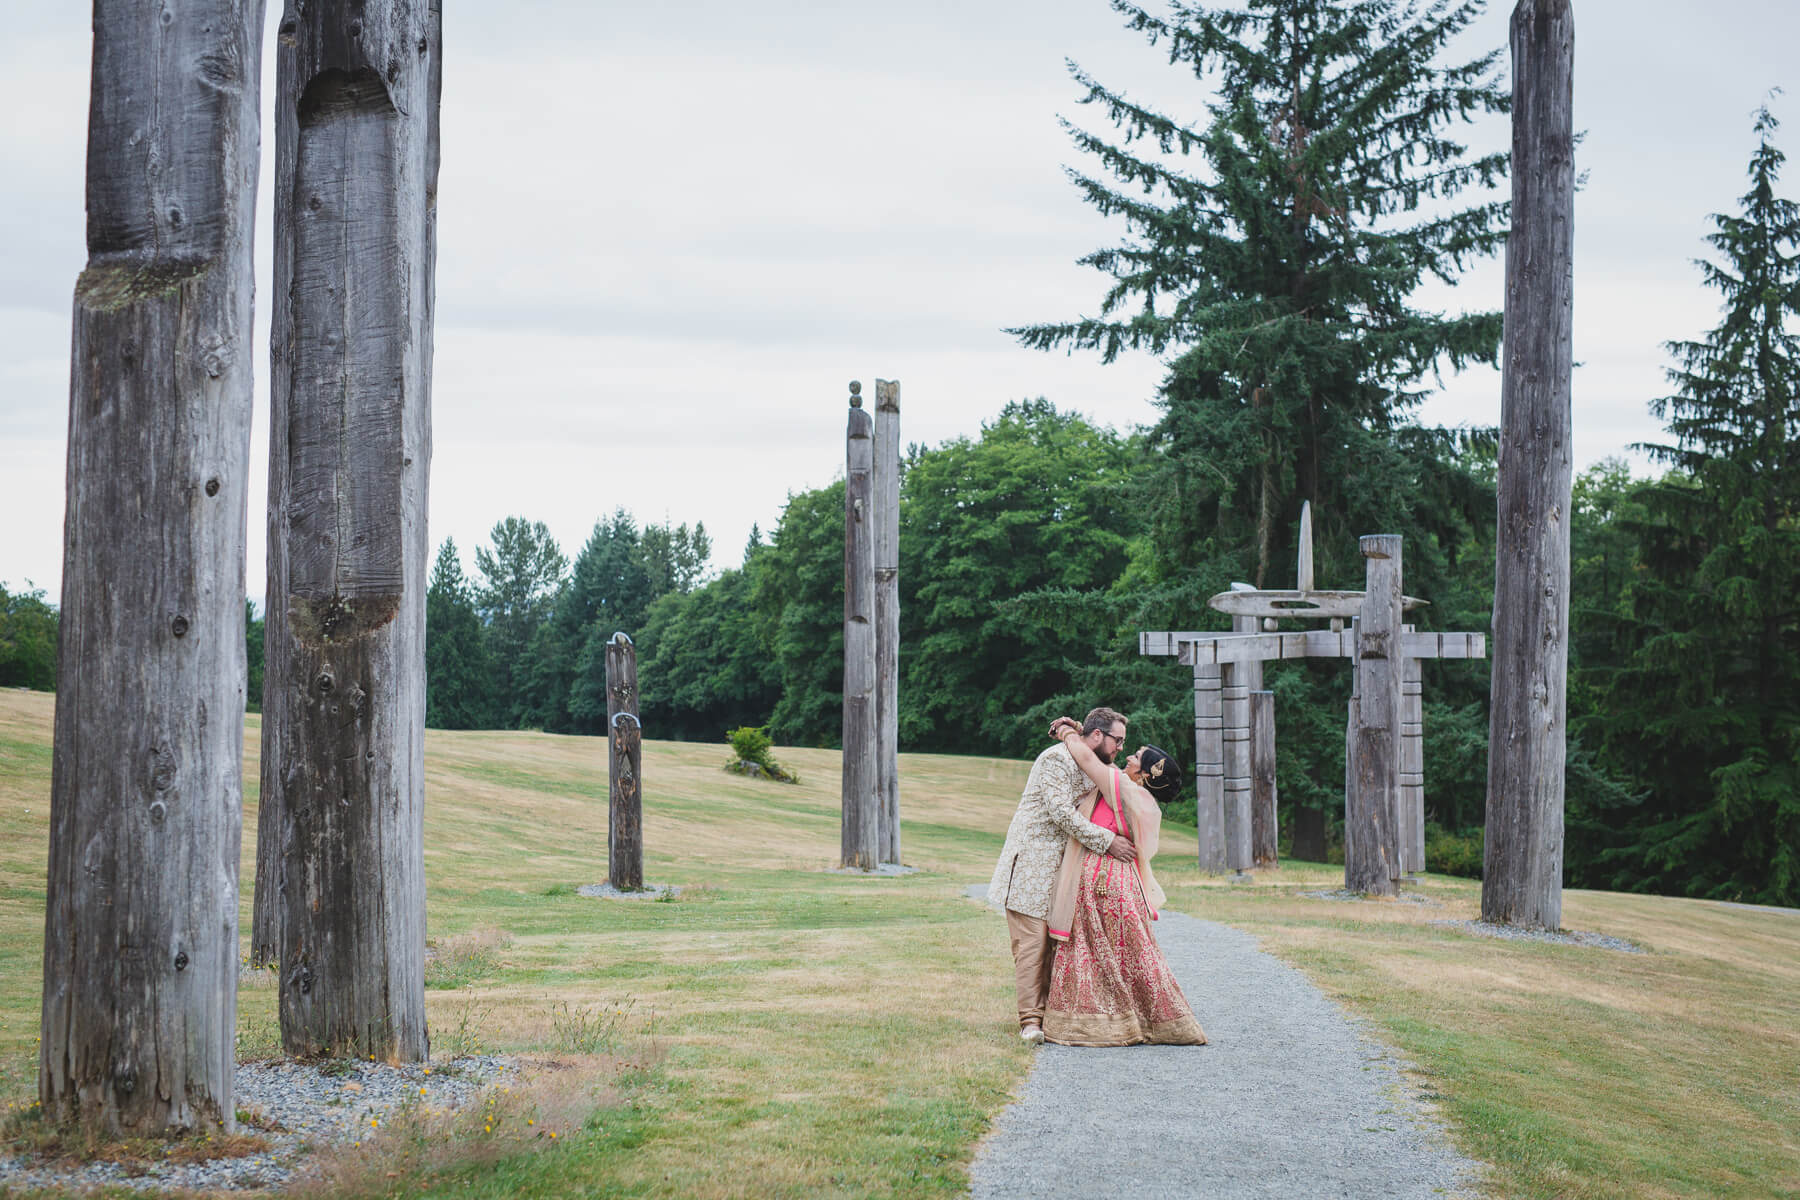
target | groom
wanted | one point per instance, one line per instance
(1047, 817)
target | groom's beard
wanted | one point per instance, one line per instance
(1103, 754)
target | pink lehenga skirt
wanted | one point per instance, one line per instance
(1111, 985)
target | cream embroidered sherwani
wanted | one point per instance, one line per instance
(1048, 816)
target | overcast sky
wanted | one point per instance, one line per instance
(670, 234)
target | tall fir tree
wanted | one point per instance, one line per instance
(1273, 251)
(1280, 274)
(458, 671)
(1707, 712)
(521, 579)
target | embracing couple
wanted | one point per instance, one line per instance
(1075, 883)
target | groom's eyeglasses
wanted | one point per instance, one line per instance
(1117, 739)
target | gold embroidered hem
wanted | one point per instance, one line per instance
(1068, 1029)
(1111, 985)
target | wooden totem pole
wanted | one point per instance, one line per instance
(1521, 882)
(340, 850)
(624, 753)
(887, 614)
(140, 923)
(861, 799)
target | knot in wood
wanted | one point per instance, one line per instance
(181, 960)
(212, 487)
(179, 626)
(158, 810)
(127, 1082)
(325, 682)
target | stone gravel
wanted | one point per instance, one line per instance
(1558, 937)
(650, 891)
(309, 1107)
(1291, 1098)
(1347, 897)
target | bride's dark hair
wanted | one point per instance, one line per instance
(1162, 778)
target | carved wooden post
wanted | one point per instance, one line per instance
(624, 753)
(1371, 833)
(861, 804)
(887, 614)
(341, 869)
(140, 924)
(1412, 765)
(625, 809)
(1236, 739)
(1240, 750)
(1263, 827)
(1209, 768)
(1522, 870)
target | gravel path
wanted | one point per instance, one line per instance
(1290, 1099)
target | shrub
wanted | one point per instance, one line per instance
(751, 746)
(1448, 853)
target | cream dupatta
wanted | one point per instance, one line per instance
(1140, 820)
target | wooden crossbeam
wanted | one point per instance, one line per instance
(1194, 649)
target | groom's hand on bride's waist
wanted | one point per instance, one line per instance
(1122, 848)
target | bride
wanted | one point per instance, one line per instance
(1110, 985)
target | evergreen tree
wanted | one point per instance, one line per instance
(619, 575)
(521, 578)
(1280, 274)
(1707, 713)
(1034, 504)
(675, 557)
(458, 673)
(798, 591)
(703, 668)
(253, 657)
(27, 639)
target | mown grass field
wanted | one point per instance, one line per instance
(801, 1033)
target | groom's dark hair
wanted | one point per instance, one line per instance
(1101, 720)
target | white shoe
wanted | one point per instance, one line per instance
(1032, 1035)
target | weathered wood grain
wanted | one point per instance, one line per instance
(1412, 765)
(1372, 863)
(340, 856)
(1522, 868)
(886, 491)
(1209, 766)
(140, 926)
(625, 810)
(624, 756)
(1190, 649)
(1263, 828)
(861, 803)
(1235, 736)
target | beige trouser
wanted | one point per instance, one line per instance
(1033, 954)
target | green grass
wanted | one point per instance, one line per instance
(780, 1030)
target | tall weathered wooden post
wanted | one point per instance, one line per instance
(340, 856)
(1522, 869)
(887, 614)
(1263, 827)
(1209, 765)
(861, 803)
(1372, 861)
(140, 923)
(624, 753)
